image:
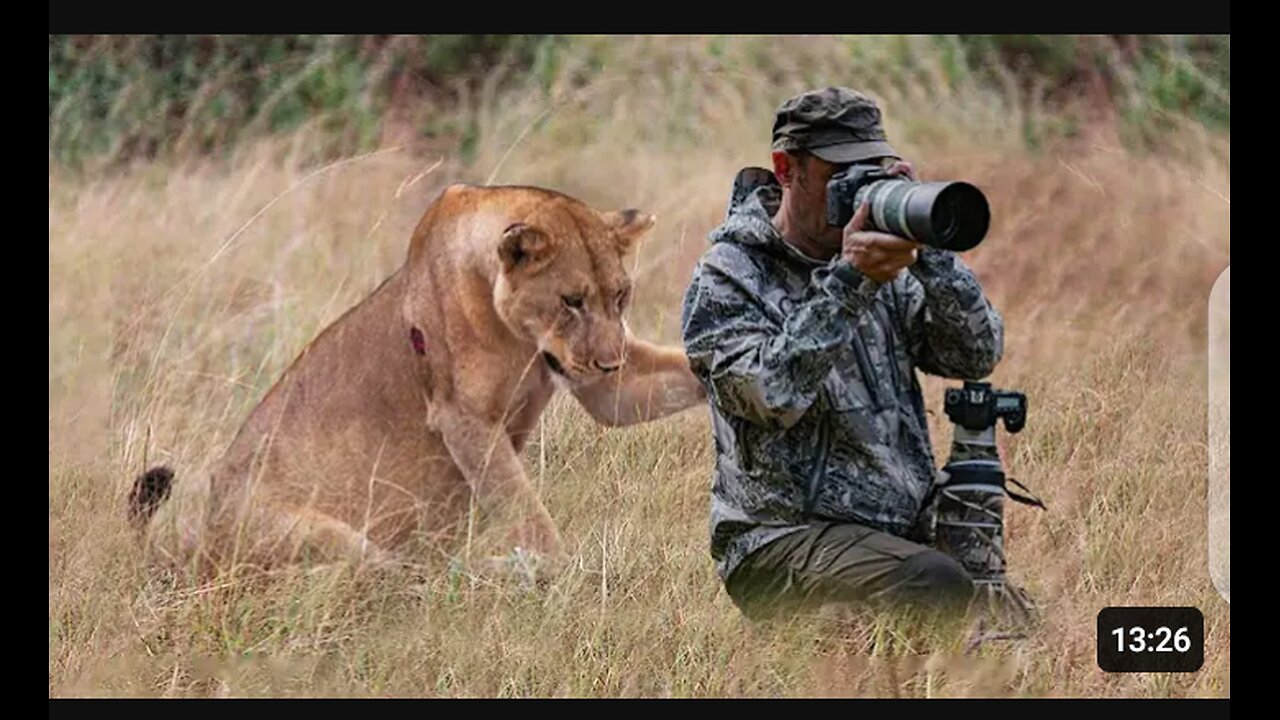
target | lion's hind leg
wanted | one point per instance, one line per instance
(306, 535)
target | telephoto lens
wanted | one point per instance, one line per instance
(946, 215)
(949, 215)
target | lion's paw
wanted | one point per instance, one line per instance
(530, 569)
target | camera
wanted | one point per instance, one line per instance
(977, 407)
(949, 215)
(968, 506)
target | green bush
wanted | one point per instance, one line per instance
(120, 97)
(116, 98)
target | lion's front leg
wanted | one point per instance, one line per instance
(654, 382)
(502, 491)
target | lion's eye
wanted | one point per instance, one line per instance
(623, 296)
(572, 301)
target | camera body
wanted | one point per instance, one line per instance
(977, 407)
(947, 215)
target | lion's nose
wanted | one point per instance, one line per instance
(606, 368)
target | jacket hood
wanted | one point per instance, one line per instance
(755, 199)
(753, 202)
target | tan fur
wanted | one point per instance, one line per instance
(364, 443)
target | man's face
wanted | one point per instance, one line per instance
(804, 181)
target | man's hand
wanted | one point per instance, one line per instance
(878, 255)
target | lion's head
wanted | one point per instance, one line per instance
(563, 284)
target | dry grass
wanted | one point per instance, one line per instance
(179, 292)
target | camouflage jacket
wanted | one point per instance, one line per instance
(810, 368)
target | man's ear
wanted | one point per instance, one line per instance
(629, 226)
(783, 167)
(524, 247)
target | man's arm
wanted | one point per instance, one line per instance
(756, 368)
(952, 329)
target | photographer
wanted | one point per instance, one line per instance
(807, 338)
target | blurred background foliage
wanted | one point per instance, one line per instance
(119, 98)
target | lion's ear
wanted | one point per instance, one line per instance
(524, 246)
(629, 225)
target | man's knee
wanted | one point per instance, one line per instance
(933, 574)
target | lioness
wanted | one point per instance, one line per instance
(416, 403)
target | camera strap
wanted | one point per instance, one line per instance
(963, 474)
(1027, 499)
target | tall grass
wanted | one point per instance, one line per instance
(181, 288)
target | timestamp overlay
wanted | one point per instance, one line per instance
(1150, 639)
(1220, 434)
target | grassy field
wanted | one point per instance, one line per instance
(181, 288)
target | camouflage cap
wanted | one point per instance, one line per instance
(837, 124)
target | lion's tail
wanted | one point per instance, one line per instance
(150, 490)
